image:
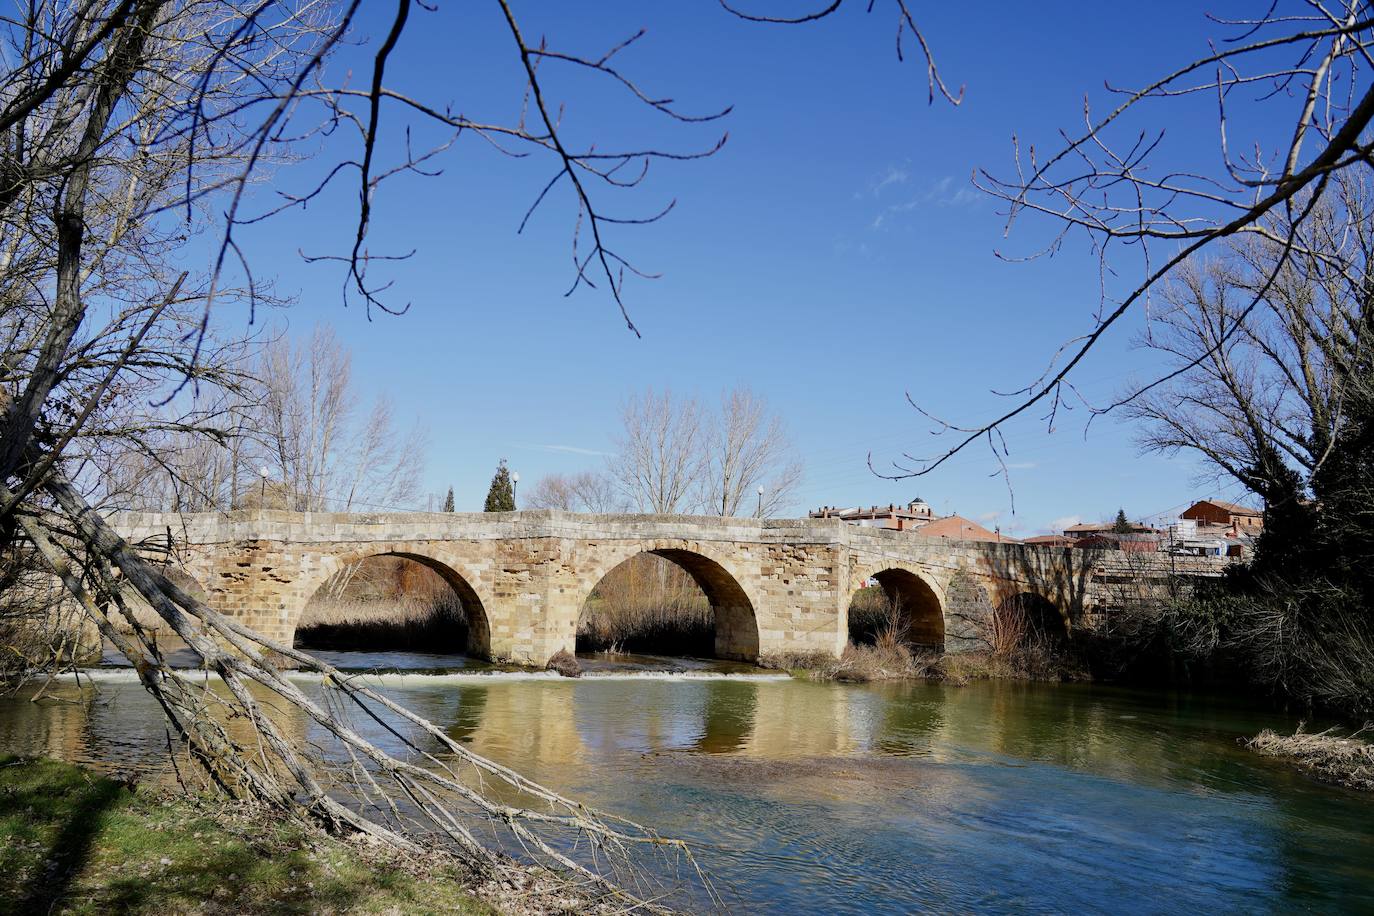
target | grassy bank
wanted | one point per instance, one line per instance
(75, 842)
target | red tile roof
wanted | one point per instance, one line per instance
(1050, 540)
(956, 527)
(1233, 508)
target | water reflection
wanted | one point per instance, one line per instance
(536, 723)
(728, 717)
(880, 798)
(467, 718)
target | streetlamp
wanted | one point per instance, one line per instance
(514, 484)
(759, 513)
(263, 472)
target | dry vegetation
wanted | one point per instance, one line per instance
(1018, 648)
(40, 627)
(384, 603)
(1015, 649)
(1344, 760)
(647, 604)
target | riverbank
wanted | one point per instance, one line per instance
(1342, 760)
(72, 841)
(864, 664)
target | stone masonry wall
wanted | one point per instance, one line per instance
(777, 585)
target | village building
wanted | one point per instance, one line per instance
(1049, 540)
(1106, 529)
(900, 518)
(1137, 538)
(1214, 513)
(915, 516)
(1214, 527)
(956, 527)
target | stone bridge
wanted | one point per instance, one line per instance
(776, 586)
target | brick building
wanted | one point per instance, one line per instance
(1215, 513)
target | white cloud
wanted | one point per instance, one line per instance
(1020, 465)
(1067, 521)
(892, 176)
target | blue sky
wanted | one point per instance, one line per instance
(833, 256)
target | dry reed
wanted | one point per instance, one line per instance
(435, 625)
(679, 627)
(1014, 648)
(879, 653)
(384, 603)
(647, 604)
(1344, 760)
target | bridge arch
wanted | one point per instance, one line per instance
(474, 608)
(183, 576)
(734, 611)
(917, 597)
(1037, 614)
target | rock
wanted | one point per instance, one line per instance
(565, 663)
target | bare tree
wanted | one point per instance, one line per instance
(1148, 200)
(594, 491)
(128, 126)
(658, 461)
(125, 126)
(552, 491)
(326, 456)
(195, 459)
(1265, 341)
(585, 491)
(746, 448)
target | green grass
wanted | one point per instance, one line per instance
(75, 842)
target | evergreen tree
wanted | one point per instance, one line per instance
(1122, 525)
(448, 500)
(501, 496)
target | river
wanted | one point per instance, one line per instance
(894, 798)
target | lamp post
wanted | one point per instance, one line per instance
(759, 513)
(514, 484)
(263, 472)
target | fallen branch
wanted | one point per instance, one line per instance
(439, 793)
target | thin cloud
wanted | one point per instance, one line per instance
(941, 193)
(568, 450)
(573, 449)
(891, 177)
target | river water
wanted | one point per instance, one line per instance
(893, 798)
